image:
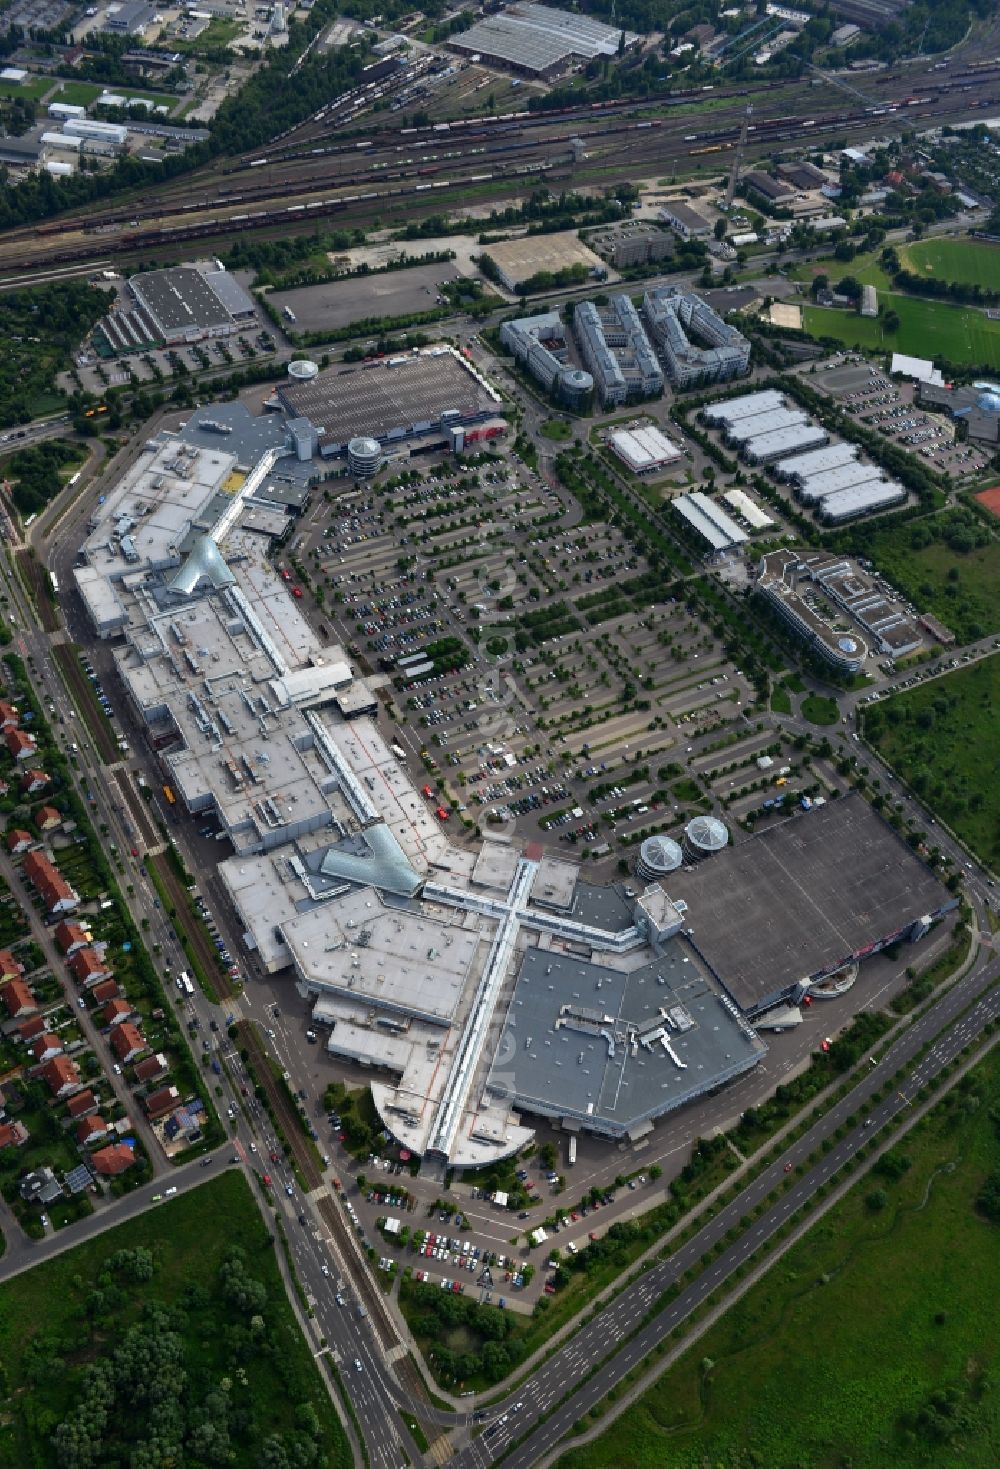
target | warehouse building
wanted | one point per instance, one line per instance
(97, 132)
(517, 261)
(131, 18)
(869, 301)
(188, 303)
(536, 41)
(726, 411)
(748, 510)
(685, 221)
(617, 351)
(816, 487)
(783, 441)
(694, 343)
(799, 467)
(710, 521)
(837, 885)
(644, 449)
(419, 398)
(539, 344)
(759, 424)
(770, 189)
(861, 500)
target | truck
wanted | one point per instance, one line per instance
(398, 751)
(184, 983)
(289, 313)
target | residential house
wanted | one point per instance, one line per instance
(116, 1012)
(40, 1186)
(17, 998)
(47, 818)
(71, 936)
(111, 1161)
(127, 1042)
(10, 968)
(87, 967)
(81, 1104)
(9, 716)
(49, 883)
(19, 840)
(105, 991)
(46, 1047)
(33, 781)
(91, 1130)
(21, 744)
(158, 1104)
(151, 1068)
(62, 1076)
(31, 1029)
(13, 1134)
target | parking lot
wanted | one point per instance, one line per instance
(161, 363)
(538, 672)
(386, 293)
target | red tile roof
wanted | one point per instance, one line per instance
(70, 935)
(85, 964)
(106, 990)
(46, 878)
(47, 817)
(82, 1102)
(91, 1128)
(116, 1011)
(18, 839)
(127, 1040)
(60, 1072)
(111, 1161)
(17, 997)
(10, 968)
(150, 1067)
(158, 1104)
(20, 744)
(46, 1042)
(28, 1029)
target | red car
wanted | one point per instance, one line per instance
(275, 1157)
(441, 814)
(550, 1290)
(286, 575)
(267, 1179)
(428, 792)
(297, 592)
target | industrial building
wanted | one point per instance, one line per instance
(98, 132)
(190, 303)
(644, 449)
(976, 405)
(861, 500)
(799, 467)
(421, 398)
(537, 41)
(837, 884)
(778, 582)
(517, 261)
(816, 487)
(685, 221)
(772, 190)
(782, 441)
(758, 424)
(869, 301)
(710, 521)
(748, 510)
(694, 343)
(617, 351)
(539, 344)
(131, 18)
(726, 411)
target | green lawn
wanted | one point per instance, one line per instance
(236, 1356)
(556, 428)
(973, 262)
(864, 268)
(943, 737)
(33, 87)
(926, 328)
(961, 587)
(820, 710)
(82, 94)
(831, 1360)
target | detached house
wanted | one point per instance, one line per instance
(70, 936)
(17, 999)
(46, 1047)
(10, 968)
(62, 1076)
(87, 967)
(20, 744)
(91, 1130)
(127, 1042)
(110, 1162)
(158, 1104)
(33, 781)
(19, 840)
(49, 883)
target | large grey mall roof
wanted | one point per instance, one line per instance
(379, 399)
(803, 896)
(553, 1064)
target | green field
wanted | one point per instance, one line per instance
(926, 328)
(33, 87)
(972, 262)
(833, 1359)
(820, 710)
(948, 564)
(943, 738)
(211, 1367)
(864, 268)
(82, 94)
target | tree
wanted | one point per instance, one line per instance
(720, 228)
(890, 322)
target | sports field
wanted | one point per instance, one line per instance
(926, 328)
(943, 738)
(973, 262)
(870, 1345)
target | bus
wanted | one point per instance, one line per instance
(185, 983)
(169, 797)
(572, 1151)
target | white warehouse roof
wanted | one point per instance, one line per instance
(709, 520)
(918, 368)
(785, 441)
(731, 410)
(818, 486)
(764, 423)
(643, 448)
(817, 461)
(741, 502)
(861, 499)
